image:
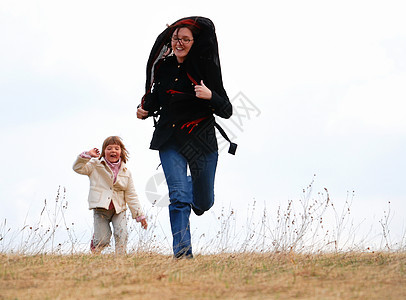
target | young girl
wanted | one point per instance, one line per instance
(111, 190)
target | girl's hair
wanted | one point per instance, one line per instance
(115, 140)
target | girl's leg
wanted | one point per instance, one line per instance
(203, 171)
(102, 230)
(180, 196)
(120, 232)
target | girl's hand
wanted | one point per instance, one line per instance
(141, 113)
(202, 91)
(144, 223)
(94, 152)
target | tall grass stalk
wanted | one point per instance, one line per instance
(311, 224)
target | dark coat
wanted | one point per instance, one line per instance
(173, 98)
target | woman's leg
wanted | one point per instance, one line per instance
(120, 232)
(102, 230)
(203, 171)
(180, 196)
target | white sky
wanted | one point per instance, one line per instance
(328, 78)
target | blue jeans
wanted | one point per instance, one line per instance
(185, 191)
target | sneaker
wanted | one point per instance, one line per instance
(183, 256)
(92, 246)
(197, 211)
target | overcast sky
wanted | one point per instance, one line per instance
(318, 87)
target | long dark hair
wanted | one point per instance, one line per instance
(192, 25)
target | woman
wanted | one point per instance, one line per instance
(184, 88)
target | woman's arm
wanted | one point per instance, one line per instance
(149, 106)
(221, 106)
(214, 91)
(150, 101)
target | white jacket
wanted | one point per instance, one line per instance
(103, 190)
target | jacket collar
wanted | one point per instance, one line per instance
(122, 167)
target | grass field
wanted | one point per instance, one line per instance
(222, 276)
(311, 249)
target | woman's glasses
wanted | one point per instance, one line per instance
(182, 40)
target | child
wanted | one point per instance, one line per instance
(111, 189)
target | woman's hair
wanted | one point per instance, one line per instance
(203, 53)
(115, 140)
(189, 24)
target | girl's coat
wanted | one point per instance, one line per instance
(103, 190)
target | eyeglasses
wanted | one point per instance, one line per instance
(182, 40)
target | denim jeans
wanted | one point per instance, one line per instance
(102, 231)
(185, 191)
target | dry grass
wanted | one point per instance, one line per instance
(308, 250)
(222, 276)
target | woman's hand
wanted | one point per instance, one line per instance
(202, 91)
(144, 223)
(94, 152)
(141, 113)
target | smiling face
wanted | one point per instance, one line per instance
(182, 41)
(112, 153)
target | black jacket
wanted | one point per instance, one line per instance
(184, 118)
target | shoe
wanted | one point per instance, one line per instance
(197, 211)
(183, 256)
(92, 246)
(185, 253)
